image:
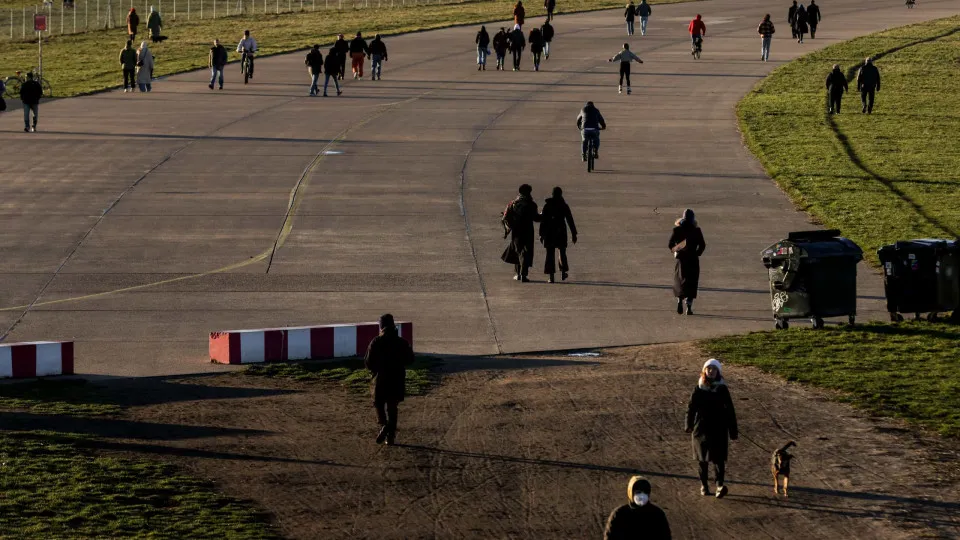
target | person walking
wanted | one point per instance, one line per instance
(314, 63)
(144, 68)
(358, 51)
(643, 11)
(519, 13)
(549, 6)
(387, 359)
(517, 222)
(800, 23)
(536, 46)
(813, 18)
(629, 14)
(554, 219)
(868, 83)
(483, 46)
(128, 64)
(30, 94)
(687, 245)
(547, 32)
(217, 61)
(517, 44)
(154, 24)
(625, 57)
(500, 44)
(639, 518)
(766, 31)
(711, 419)
(378, 55)
(133, 23)
(792, 18)
(342, 49)
(836, 86)
(331, 67)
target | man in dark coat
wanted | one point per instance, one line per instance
(639, 518)
(868, 82)
(358, 52)
(517, 44)
(687, 245)
(30, 94)
(547, 32)
(314, 63)
(500, 43)
(387, 359)
(518, 221)
(710, 420)
(536, 46)
(128, 63)
(217, 61)
(378, 55)
(331, 68)
(342, 48)
(836, 86)
(550, 6)
(813, 18)
(554, 219)
(792, 18)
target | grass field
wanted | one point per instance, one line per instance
(350, 373)
(55, 485)
(906, 371)
(879, 178)
(83, 63)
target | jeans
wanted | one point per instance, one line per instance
(516, 58)
(481, 56)
(376, 66)
(549, 266)
(589, 134)
(546, 49)
(866, 97)
(625, 72)
(500, 58)
(835, 99)
(26, 114)
(694, 39)
(213, 75)
(718, 469)
(643, 25)
(387, 415)
(314, 83)
(536, 60)
(629, 28)
(765, 47)
(145, 87)
(129, 78)
(326, 82)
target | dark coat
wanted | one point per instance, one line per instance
(536, 41)
(553, 223)
(549, 5)
(711, 418)
(519, 218)
(792, 14)
(517, 43)
(518, 14)
(644, 9)
(630, 13)
(547, 32)
(837, 82)
(500, 43)
(813, 15)
(31, 92)
(630, 522)
(133, 22)
(359, 45)
(154, 23)
(332, 64)
(379, 48)
(387, 359)
(800, 22)
(342, 47)
(483, 39)
(686, 274)
(218, 56)
(314, 61)
(868, 78)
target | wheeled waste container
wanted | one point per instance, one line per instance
(921, 276)
(813, 274)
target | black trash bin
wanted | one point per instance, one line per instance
(813, 274)
(921, 276)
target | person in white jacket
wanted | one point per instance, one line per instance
(247, 47)
(625, 57)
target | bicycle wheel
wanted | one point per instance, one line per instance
(13, 88)
(47, 89)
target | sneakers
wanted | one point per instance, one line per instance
(679, 306)
(551, 279)
(704, 491)
(721, 491)
(689, 308)
(26, 129)
(339, 92)
(391, 439)
(619, 89)
(583, 158)
(628, 91)
(210, 86)
(564, 276)
(516, 277)
(524, 279)
(382, 436)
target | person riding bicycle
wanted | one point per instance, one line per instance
(247, 47)
(590, 122)
(697, 32)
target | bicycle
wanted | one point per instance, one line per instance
(591, 149)
(246, 66)
(14, 81)
(697, 47)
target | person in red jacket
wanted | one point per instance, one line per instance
(697, 31)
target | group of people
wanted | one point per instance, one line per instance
(868, 84)
(518, 219)
(539, 40)
(643, 11)
(335, 65)
(803, 19)
(137, 67)
(154, 24)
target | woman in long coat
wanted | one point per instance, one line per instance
(518, 221)
(154, 23)
(144, 67)
(554, 219)
(519, 13)
(800, 23)
(710, 420)
(687, 245)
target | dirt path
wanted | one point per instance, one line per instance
(541, 447)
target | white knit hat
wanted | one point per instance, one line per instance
(715, 363)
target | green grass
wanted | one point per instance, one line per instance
(907, 370)
(906, 184)
(87, 62)
(349, 373)
(55, 485)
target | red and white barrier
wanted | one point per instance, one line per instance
(298, 343)
(36, 359)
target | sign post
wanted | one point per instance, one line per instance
(40, 26)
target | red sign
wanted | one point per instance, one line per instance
(39, 23)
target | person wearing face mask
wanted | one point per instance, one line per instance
(710, 420)
(639, 518)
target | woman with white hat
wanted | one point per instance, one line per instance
(710, 420)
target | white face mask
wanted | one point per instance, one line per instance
(641, 499)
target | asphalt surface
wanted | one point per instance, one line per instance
(134, 224)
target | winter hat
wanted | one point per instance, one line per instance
(637, 484)
(715, 363)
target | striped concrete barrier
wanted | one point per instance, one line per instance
(297, 343)
(36, 359)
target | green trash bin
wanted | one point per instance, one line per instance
(813, 275)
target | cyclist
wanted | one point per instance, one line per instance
(698, 31)
(590, 122)
(247, 47)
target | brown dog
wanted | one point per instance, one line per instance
(780, 466)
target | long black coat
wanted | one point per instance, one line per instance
(630, 522)
(521, 215)
(836, 82)
(800, 22)
(500, 43)
(387, 359)
(711, 416)
(553, 223)
(686, 272)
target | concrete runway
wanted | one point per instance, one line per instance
(137, 223)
